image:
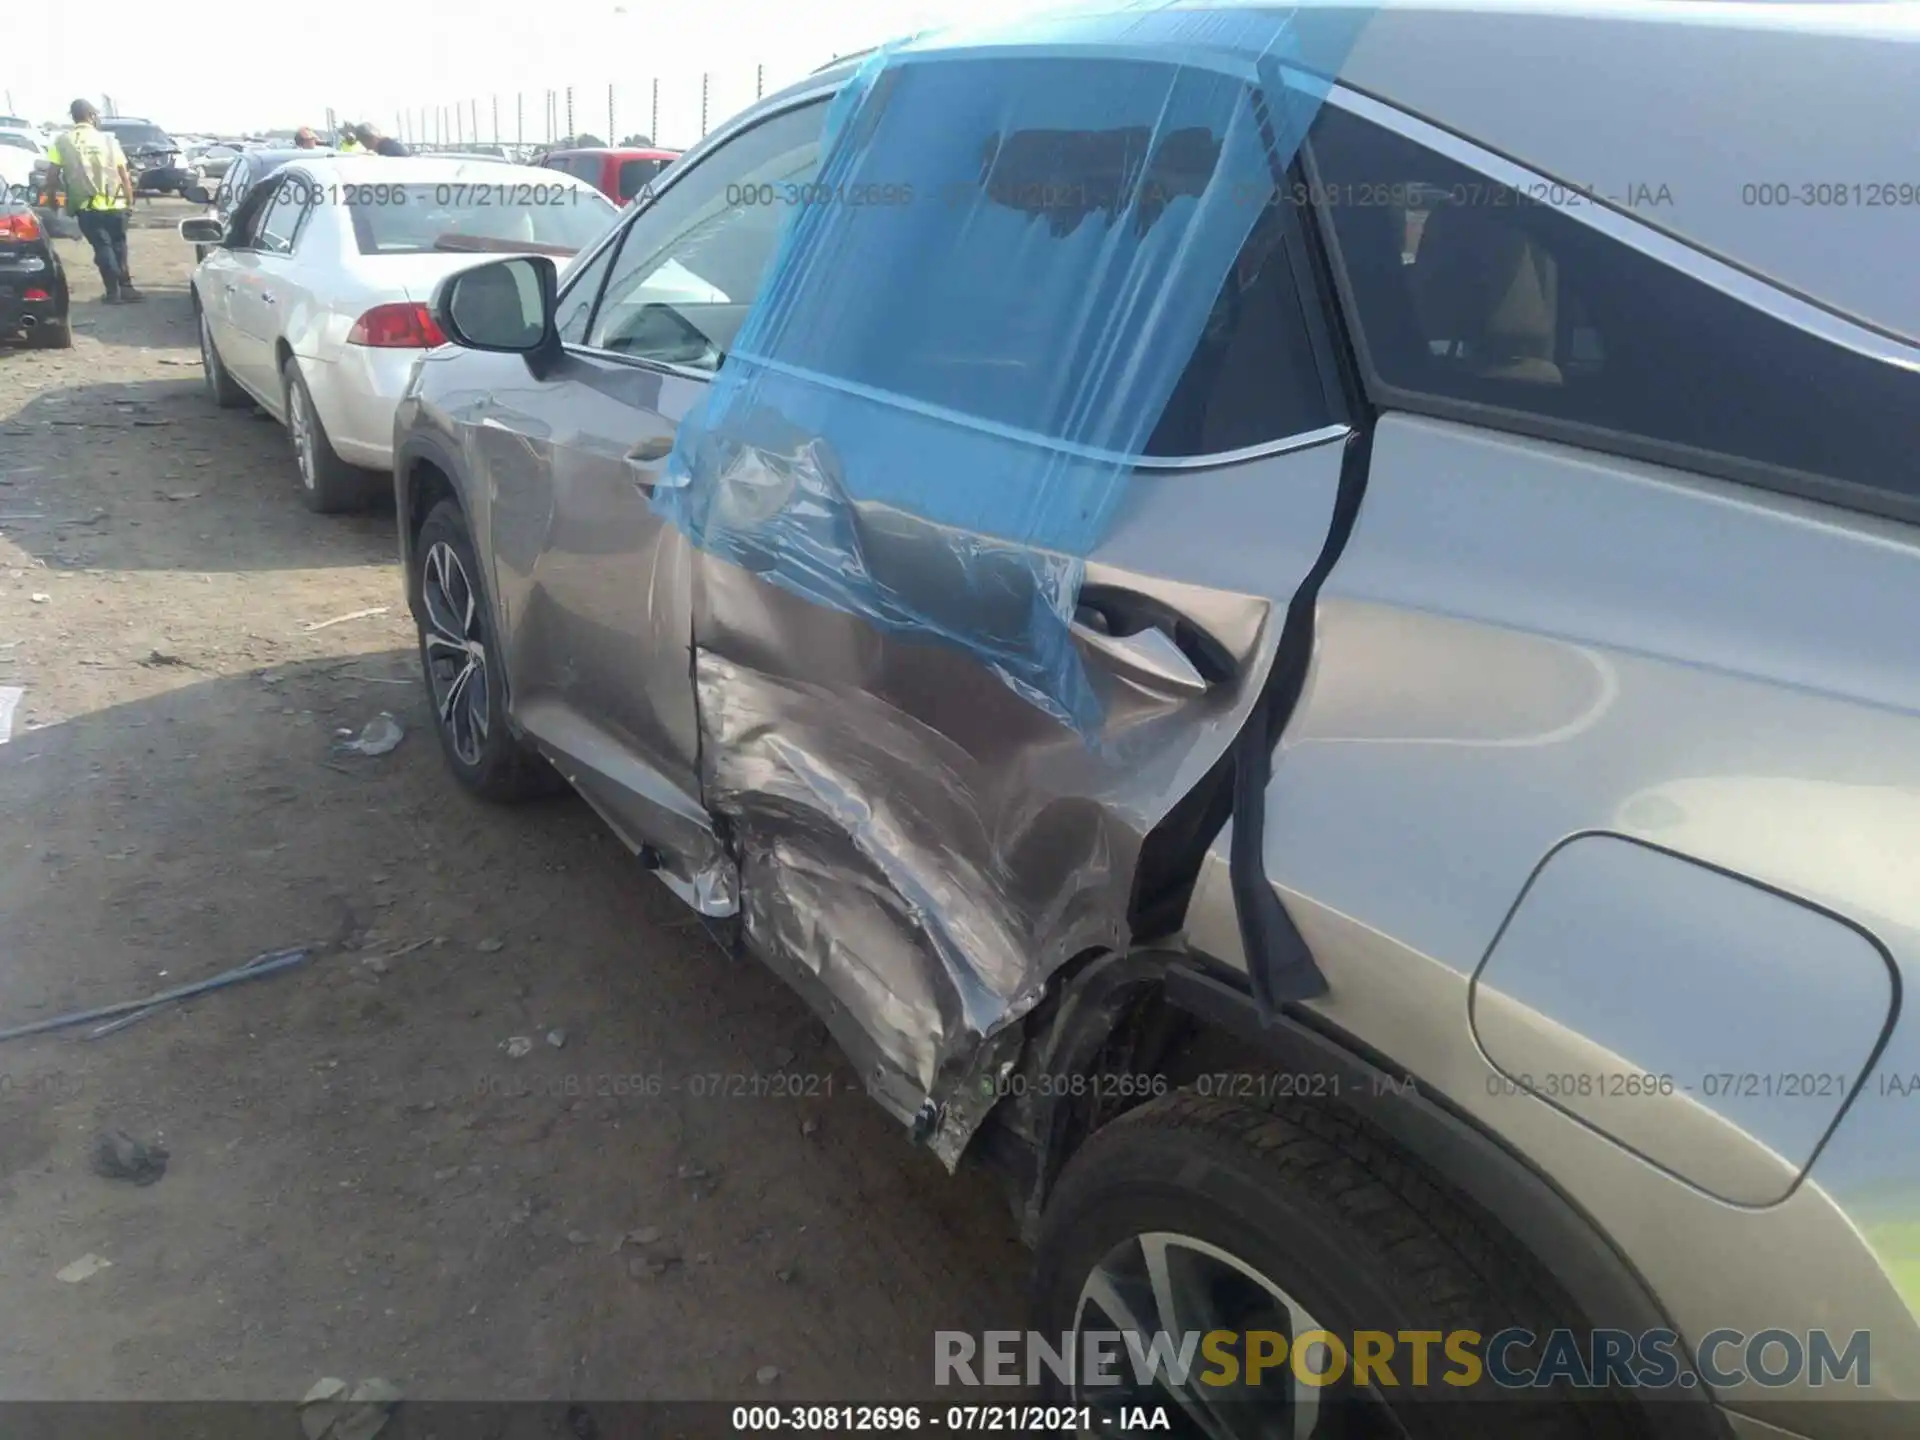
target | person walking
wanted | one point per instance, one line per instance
(92, 169)
(370, 136)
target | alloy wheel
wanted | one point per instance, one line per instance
(1172, 1285)
(456, 651)
(300, 427)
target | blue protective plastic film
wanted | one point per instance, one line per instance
(980, 308)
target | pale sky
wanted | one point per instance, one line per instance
(269, 65)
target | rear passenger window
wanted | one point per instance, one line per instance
(634, 174)
(1252, 378)
(1475, 301)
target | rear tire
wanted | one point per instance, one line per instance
(1257, 1220)
(328, 484)
(51, 335)
(460, 658)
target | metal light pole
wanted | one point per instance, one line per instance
(654, 133)
(519, 121)
(759, 81)
(473, 119)
(613, 130)
(703, 104)
(496, 119)
(571, 132)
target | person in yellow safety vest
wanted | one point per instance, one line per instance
(349, 143)
(91, 168)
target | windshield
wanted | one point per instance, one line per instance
(134, 132)
(18, 142)
(477, 216)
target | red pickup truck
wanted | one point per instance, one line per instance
(616, 173)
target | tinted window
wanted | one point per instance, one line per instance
(1061, 268)
(481, 216)
(1253, 377)
(1469, 295)
(17, 142)
(132, 134)
(692, 261)
(634, 174)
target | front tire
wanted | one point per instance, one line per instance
(1192, 1214)
(222, 388)
(461, 659)
(328, 484)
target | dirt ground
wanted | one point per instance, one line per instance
(361, 1180)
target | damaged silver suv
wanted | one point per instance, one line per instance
(1298, 625)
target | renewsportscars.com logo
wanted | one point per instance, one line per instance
(1512, 1359)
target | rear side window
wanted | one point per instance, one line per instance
(476, 216)
(1484, 304)
(634, 174)
(984, 266)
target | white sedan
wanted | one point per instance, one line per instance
(313, 301)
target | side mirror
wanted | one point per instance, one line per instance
(506, 306)
(202, 230)
(197, 195)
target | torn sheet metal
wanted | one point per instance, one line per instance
(919, 849)
(979, 310)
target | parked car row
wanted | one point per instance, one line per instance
(310, 295)
(1327, 695)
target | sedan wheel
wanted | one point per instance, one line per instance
(456, 651)
(300, 427)
(221, 388)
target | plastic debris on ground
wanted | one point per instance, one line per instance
(85, 1268)
(10, 698)
(379, 736)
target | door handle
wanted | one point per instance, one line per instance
(644, 457)
(1148, 640)
(1148, 656)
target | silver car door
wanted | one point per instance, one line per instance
(924, 833)
(598, 639)
(261, 229)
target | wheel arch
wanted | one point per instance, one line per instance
(1114, 1013)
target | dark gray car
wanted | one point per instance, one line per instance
(1381, 781)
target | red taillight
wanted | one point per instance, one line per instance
(20, 227)
(404, 326)
(36, 295)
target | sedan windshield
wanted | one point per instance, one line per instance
(130, 135)
(423, 217)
